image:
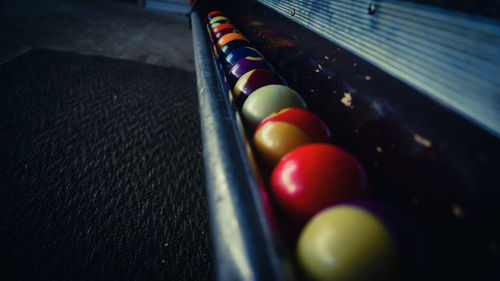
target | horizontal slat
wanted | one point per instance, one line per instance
(450, 56)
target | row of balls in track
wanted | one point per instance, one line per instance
(315, 184)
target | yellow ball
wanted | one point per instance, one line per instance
(241, 82)
(275, 139)
(218, 18)
(347, 243)
(214, 25)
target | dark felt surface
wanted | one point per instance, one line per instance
(101, 171)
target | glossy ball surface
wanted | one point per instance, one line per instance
(213, 14)
(307, 121)
(218, 18)
(214, 25)
(233, 56)
(313, 177)
(223, 32)
(222, 26)
(228, 38)
(235, 44)
(347, 243)
(275, 139)
(267, 100)
(410, 242)
(243, 66)
(217, 23)
(253, 80)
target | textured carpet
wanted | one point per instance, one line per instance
(101, 171)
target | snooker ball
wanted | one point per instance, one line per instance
(252, 80)
(214, 25)
(218, 18)
(286, 130)
(347, 243)
(409, 240)
(313, 177)
(305, 120)
(213, 14)
(235, 44)
(228, 38)
(275, 139)
(223, 32)
(222, 26)
(217, 23)
(235, 55)
(266, 100)
(243, 66)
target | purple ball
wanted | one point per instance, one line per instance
(407, 237)
(244, 65)
(252, 80)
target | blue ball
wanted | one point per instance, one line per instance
(233, 45)
(240, 53)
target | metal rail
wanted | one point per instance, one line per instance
(245, 248)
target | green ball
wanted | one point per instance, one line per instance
(347, 243)
(267, 100)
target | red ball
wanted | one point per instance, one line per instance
(307, 121)
(253, 80)
(223, 32)
(222, 26)
(213, 13)
(313, 177)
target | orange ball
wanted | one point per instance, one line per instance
(228, 38)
